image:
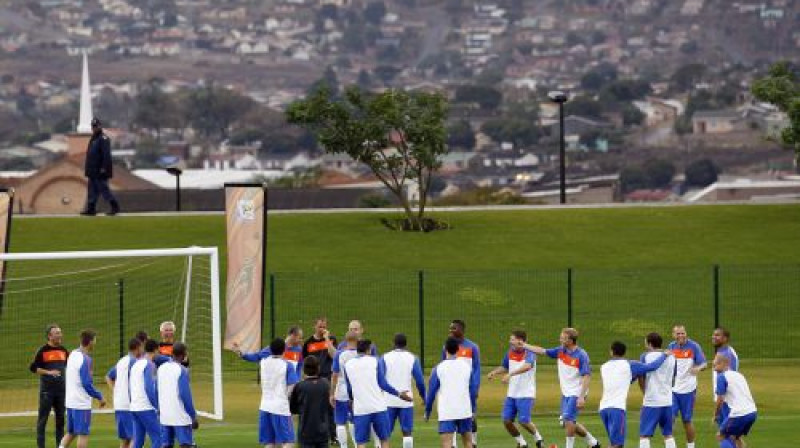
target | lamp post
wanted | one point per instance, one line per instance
(175, 171)
(560, 97)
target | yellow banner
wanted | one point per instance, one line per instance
(245, 218)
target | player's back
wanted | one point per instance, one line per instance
(617, 376)
(737, 394)
(122, 394)
(658, 383)
(362, 375)
(171, 407)
(140, 374)
(76, 395)
(341, 359)
(275, 373)
(399, 373)
(453, 401)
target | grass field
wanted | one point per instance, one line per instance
(635, 270)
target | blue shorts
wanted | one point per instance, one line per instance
(405, 416)
(738, 426)
(124, 424)
(273, 428)
(183, 435)
(569, 409)
(724, 412)
(517, 408)
(462, 426)
(614, 421)
(652, 417)
(342, 414)
(79, 421)
(145, 423)
(378, 421)
(683, 404)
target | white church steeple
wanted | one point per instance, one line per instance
(85, 120)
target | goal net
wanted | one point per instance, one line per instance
(117, 294)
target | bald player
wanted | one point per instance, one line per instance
(690, 361)
(356, 327)
(732, 391)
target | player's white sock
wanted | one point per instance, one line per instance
(644, 443)
(689, 444)
(570, 442)
(521, 440)
(474, 438)
(352, 429)
(590, 440)
(408, 442)
(670, 443)
(341, 435)
(537, 436)
(455, 436)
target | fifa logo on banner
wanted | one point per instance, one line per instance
(246, 209)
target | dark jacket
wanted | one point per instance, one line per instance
(98, 157)
(51, 358)
(309, 399)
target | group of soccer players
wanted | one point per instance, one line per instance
(150, 387)
(369, 394)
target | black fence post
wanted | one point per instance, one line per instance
(121, 295)
(421, 286)
(569, 297)
(271, 307)
(716, 296)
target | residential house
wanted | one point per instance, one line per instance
(716, 121)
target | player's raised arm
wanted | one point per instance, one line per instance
(536, 349)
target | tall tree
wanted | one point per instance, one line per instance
(399, 135)
(781, 87)
(155, 109)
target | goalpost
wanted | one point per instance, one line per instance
(117, 293)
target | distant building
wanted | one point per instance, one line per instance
(716, 121)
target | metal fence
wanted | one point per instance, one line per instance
(760, 305)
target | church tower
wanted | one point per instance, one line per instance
(77, 141)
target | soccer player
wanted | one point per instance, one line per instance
(309, 400)
(451, 381)
(574, 374)
(80, 391)
(690, 361)
(732, 389)
(340, 400)
(293, 353)
(721, 341)
(657, 388)
(519, 367)
(470, 352)
(358, 328)
(144, 397)
(275, 417)
(366, 377)
(401, 367)
(322, 345)
(49, 363)
(176, 408)
(617, 374)
(117, 380)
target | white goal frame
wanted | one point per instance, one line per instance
(216, 334)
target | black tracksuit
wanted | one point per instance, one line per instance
(309, 399)
(52, 390)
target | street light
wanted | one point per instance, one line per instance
(176, 171)
(560, 97)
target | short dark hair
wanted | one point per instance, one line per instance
(655, 340)
(461, 324)
(134, 344)
(451, 346)
(151, 346)
(293, 330)
(49, 329)
(277, 347)
(87, 336)
(725, 332)
(141, 335)
(400, 340)
(618, 348)
(311, 366)
(179, 350)
(364, 346)
(520, 334)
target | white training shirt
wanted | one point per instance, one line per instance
(523, 385)
(176, 407)
(142, 383)
(122, 396)
(78, 381)
(573, 365)
(617, 375)
(401, 368)
(732, 386)
(450, 387)
(277, 375)
(658, 384)
(366, 382)
(687, 356)
(339, 361)
(733, 364)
